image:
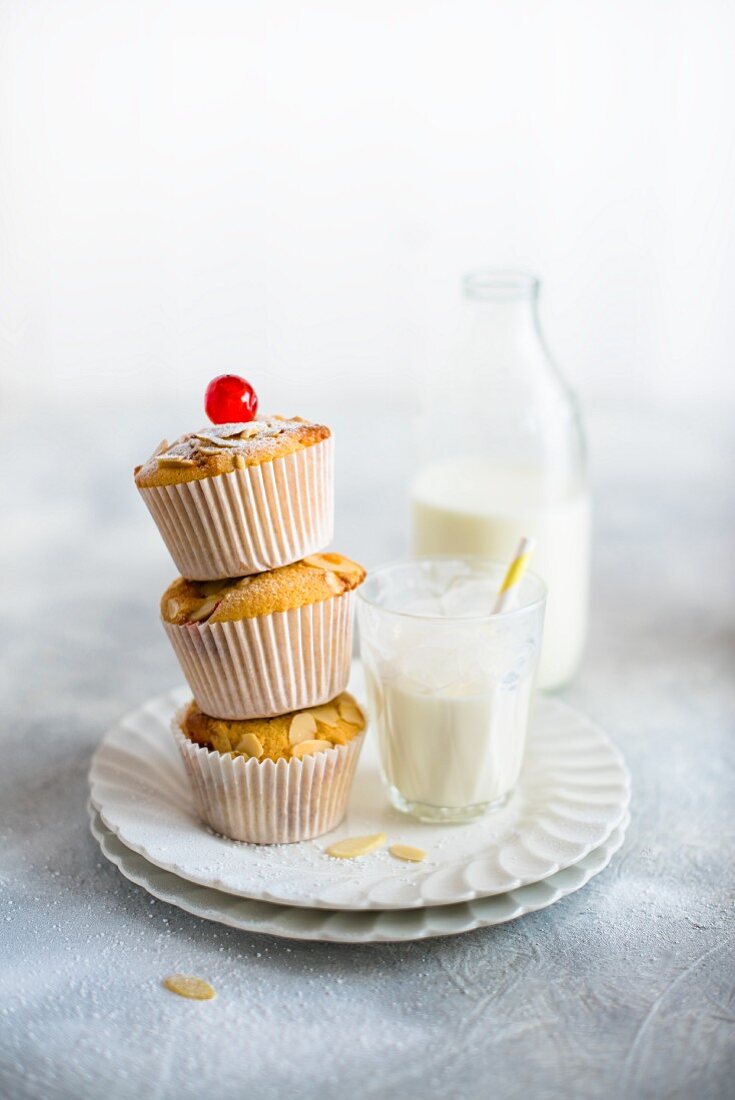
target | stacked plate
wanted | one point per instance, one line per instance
(563, 825)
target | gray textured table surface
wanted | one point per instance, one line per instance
(624, 989)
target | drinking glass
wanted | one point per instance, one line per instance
(450, 685)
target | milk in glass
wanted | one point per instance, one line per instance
(449, 690)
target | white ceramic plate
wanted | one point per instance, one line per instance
(296, 923)
(573, 792)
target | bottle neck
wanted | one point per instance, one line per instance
(501, 310)
(503, 323)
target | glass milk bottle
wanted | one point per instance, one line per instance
(502, 455)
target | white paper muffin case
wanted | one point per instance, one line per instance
(270, 802)
(256, 668)
(250, 520)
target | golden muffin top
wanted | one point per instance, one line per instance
(316, 578)
(222, 448)
(287, 736)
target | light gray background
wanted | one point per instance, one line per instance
(624, 989)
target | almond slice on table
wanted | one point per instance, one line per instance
(196, 989)
(407, 852)
(302, 728)
(353, 846)
(306, 748)
(250, 744)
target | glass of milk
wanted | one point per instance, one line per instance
(502, 454)
(450, 685)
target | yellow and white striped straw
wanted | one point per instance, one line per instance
(513, 575)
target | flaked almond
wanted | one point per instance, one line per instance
(250, 744)
(174, 460)
(209, 588)
(196, 989)
(306, 748)
(334, 583)
(302, 728)
(173, 607)
(322, 561)
(162, 446)
(227, 444)
(204, 611)
(239, 462)
(217, 438)
(227, 431)
(335, 563)
(354, 846)
(351, 568)
(407, 852)
(326, 714)
(350, 712)
(250, 431)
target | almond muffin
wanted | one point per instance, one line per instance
(266, 644)
(236, 499)
(272, 780)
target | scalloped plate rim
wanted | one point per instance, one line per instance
(270, 924)
(362, 903)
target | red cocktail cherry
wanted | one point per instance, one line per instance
(229, 399)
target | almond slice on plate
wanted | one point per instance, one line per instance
(353, 846)
(407, 852)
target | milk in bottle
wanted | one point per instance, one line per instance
(503, 456)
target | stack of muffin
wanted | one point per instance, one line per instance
(261, 622)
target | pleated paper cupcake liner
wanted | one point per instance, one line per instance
(250, 520)
(256, 668)
(269, 802)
